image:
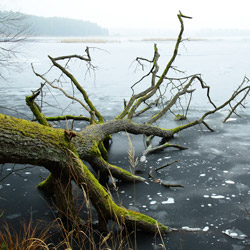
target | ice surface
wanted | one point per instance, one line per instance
(238, 247)
(153, 202)
(216, 151)
(13, 216)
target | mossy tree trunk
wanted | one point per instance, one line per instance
(31, 143)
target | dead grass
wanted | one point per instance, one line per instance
(29, 238)
(88, 40)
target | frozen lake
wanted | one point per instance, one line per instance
(214, 171)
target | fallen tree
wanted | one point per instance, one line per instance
(64, 151)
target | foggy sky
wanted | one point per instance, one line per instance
(156, 14)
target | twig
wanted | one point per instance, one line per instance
(170, 185)
(13, 170)
(164, 183)
(167, 165)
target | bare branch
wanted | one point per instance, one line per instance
(241, 100)
(68, 117)
(148, 93)
(153, 70)
(79, 87)
(15, 171)
(62, 90)
(13, 33)
(151, 150)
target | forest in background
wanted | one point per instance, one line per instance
(58, 26)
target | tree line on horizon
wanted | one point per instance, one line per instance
(58, 26)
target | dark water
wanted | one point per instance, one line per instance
(214, 171)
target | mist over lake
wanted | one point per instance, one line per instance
(214, 169)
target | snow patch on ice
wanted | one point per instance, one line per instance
(143, 158)
(235, 234)
(168, 201)
(190, 229)
(229, 182)
(231, 119)
(205, 229)
(217, 196)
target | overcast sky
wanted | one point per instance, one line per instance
(158, 14)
